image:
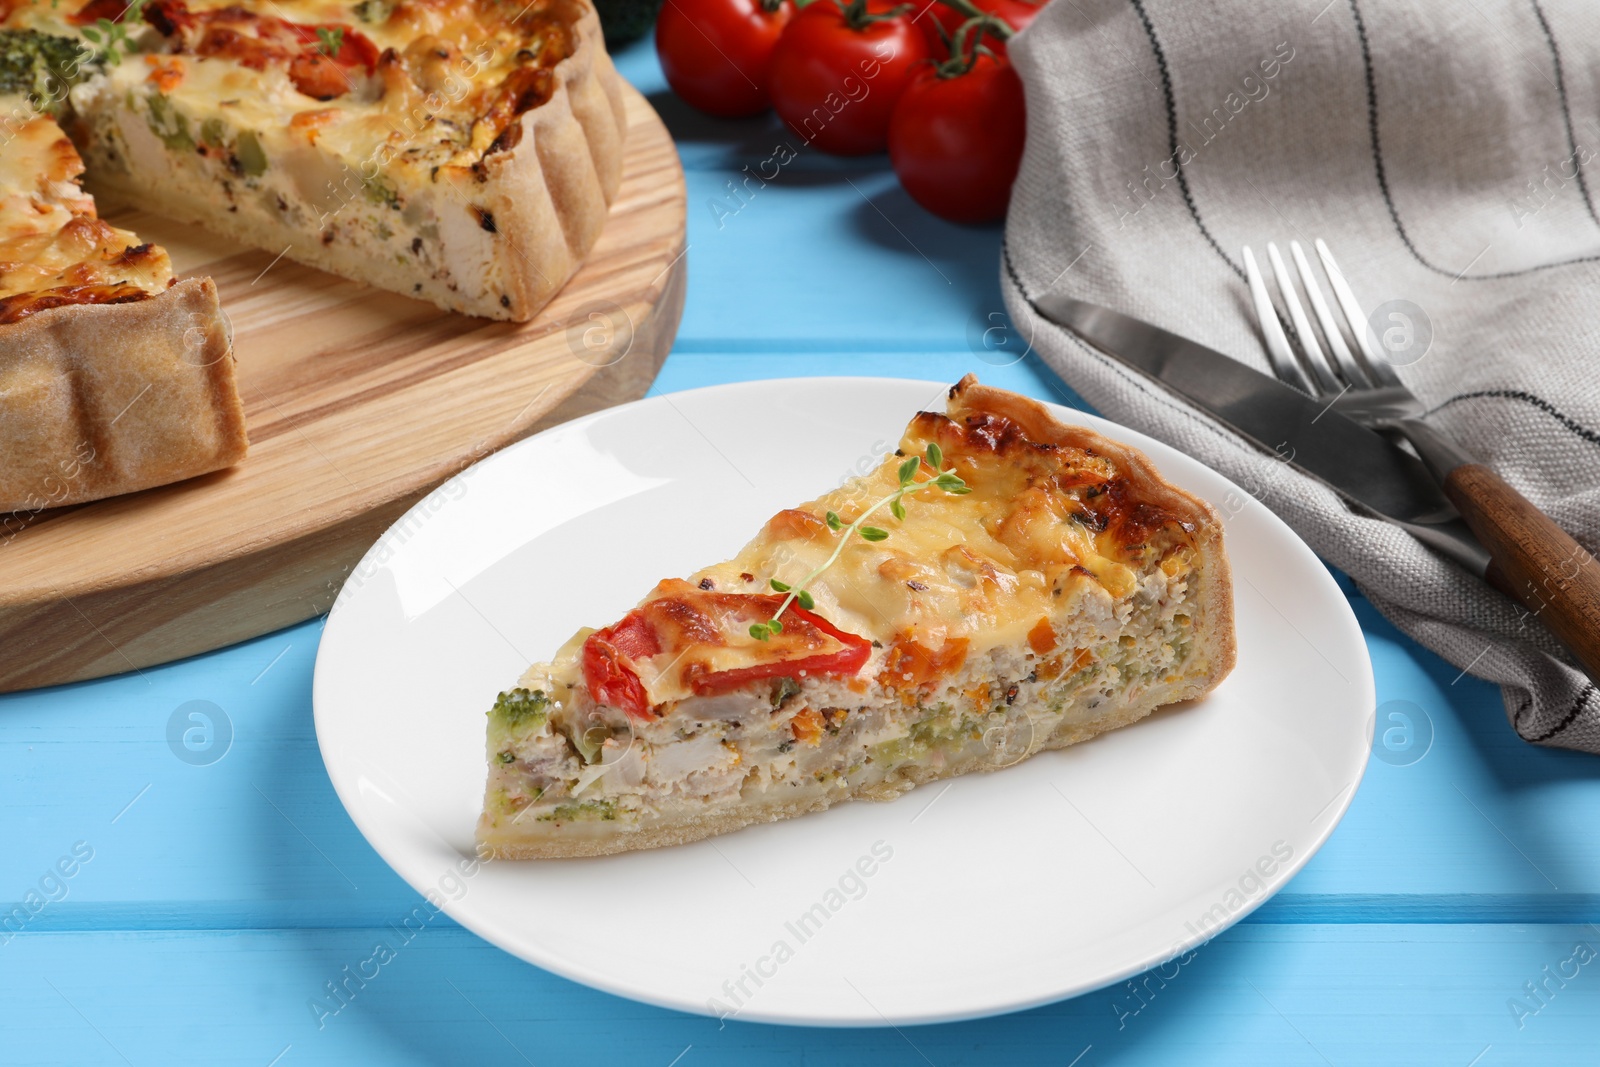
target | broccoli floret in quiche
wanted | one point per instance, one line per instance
(516, 714)
(43, 67)
(517, 709)
(582, 811)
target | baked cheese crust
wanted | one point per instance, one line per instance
(50, 235)
(1070, 592)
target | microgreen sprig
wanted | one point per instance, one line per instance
(110, 35)
(330, 41)
(947, 480)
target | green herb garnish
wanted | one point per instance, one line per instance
(110, 36)
(329, 41)
(947, 480)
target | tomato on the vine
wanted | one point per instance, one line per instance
(956, 138)
(837, 72)
(1017, 14)
(715, 53)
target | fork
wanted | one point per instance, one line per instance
(1531, 559)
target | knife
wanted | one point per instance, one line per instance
(1359, 464)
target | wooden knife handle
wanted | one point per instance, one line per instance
(1533, 560)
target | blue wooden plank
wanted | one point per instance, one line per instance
(847, 262)
(245, 830)
(793, 249)
(1275, 995)
(1469, 807)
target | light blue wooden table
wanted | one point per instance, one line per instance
(207, 903)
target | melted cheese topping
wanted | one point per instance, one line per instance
(1042, 522)
(1044, 525)
(50, 236)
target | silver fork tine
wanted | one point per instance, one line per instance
(1347, 366)
(1380, 368)
(1327, 381)
(1279, 354)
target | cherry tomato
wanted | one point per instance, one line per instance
(956, 142)
(715, 53)
(1018, 13)
(836, 73)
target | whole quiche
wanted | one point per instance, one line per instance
(463, 152)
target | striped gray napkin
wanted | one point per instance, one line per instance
(1444, 151)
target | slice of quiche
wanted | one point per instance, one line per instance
(113, 377)
(460, 151)
(1002, 585)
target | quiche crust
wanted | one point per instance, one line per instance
(102, 399)
(1074, 593)
(555, 187)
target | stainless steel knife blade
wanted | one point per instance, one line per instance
(1310, 434)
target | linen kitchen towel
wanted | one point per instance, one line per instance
(1445, 151)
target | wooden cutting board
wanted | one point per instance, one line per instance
(359, 403)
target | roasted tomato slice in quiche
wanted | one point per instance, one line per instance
(607, 658)
(317, 56)
(808, 647)
(686, 637)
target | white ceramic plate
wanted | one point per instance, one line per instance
(986, 894)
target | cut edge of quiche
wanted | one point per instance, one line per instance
(457, 174)
(113, 377)
(1072, 591)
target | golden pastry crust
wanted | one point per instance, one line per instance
(102, 399)
(550, 194)
(112, 379)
